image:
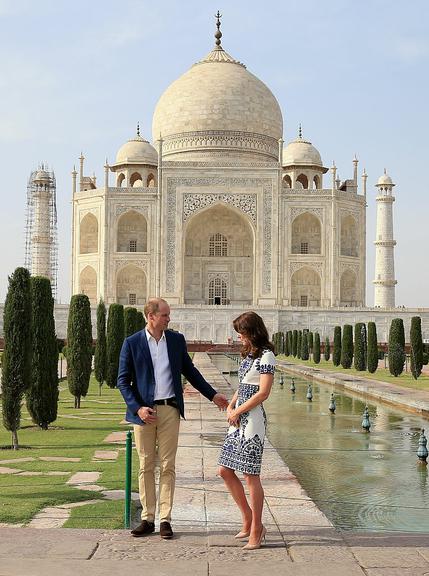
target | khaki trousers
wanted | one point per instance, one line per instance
(165, 433)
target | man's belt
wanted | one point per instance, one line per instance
(167, 402)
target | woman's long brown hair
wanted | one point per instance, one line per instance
(253, 328)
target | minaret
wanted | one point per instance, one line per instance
(41, 230)
(384, 281)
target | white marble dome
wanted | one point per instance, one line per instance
(301, 152)
(217, 97)
(137, 151)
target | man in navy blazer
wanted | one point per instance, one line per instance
(151, 364)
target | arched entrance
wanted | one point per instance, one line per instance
(131, 286)
(218, 258)
(306, 290)
(88, 284)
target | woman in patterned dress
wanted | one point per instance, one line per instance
(244, 443)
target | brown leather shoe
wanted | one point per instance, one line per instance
(144, 529)
(165, 530)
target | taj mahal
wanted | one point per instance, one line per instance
(219, 214)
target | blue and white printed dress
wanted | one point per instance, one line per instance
(243, 446)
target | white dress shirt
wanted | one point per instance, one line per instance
(161, 366)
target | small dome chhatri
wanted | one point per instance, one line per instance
(385, 180)
(137, 151)
(301, 152)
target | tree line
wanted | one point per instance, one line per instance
(357, 346)
(30, 356)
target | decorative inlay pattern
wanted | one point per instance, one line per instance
(295, 266)
(219, 163)
(141, 209)
(83, 213)
(142, 264)
(222, 275)
(244, 202)
(220, 139)
(348, 266)
(267, 207)
(297, 211)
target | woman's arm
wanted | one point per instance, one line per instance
(265, 384)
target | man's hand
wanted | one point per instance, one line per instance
(221, 401)
(146, 414)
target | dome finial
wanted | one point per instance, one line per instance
(138, 128)
(218, 33)
(300, 131)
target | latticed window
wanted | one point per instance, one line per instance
(218, 245)
(304, 247)
(133, 245)
(304, 301)
(217, 291)
(132, 299)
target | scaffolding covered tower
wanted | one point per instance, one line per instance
(41, 241)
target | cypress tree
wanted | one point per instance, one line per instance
(372, 348)
(130, 321)
(42, 396)
(304, 346)
(100, 358)
(360, 347)
(287, 350)
(316, 348)
(16, 360)
(310, 342)
(294, 343)
(416, 346)
(336, 355)
(327, 349)
(140, 322)
(79, 346)
(115, 338)
(396, 347)
(347, 346)
(299, 344)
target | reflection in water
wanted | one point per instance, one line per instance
(360, 480)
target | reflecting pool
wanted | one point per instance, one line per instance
(360, 480)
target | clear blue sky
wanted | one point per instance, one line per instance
(79, 75)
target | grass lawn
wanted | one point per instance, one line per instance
(75, 433)
(382, 374)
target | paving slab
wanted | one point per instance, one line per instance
(114, 437)
(22, 567)
(84, 478)
(7, 470)
(59, 459)
(13, 460)
(398, 557)
(415, 571)
(106, 455)
(255, 566)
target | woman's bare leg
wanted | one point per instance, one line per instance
(256, 494)
(235, 488)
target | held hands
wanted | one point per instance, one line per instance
(221, 401)
(233, 417)
(147, 414)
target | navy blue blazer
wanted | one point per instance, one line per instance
(136, 379)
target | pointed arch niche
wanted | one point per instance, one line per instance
(88, 284)
(306, 234)
(88, 235)
(349, 237)
(132, 232)
(218, 257)
(131, 286)
(305, 288)
(348, 288)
